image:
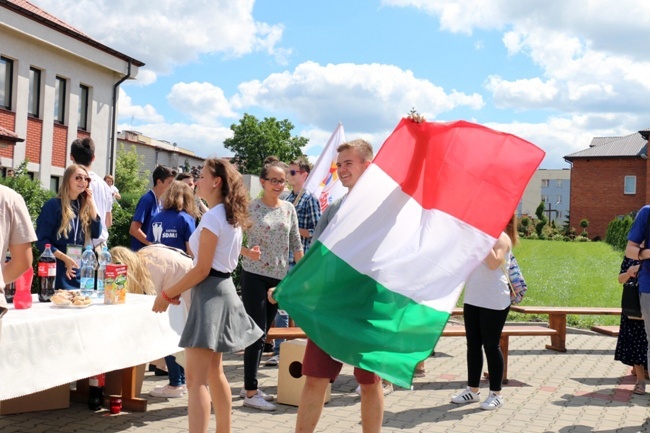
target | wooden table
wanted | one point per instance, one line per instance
(44, 346)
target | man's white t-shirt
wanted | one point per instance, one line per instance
(103, 198)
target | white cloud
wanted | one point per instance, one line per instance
(127, 110)
(367, 97)
(167, 33)
(203, 102)
(522, 93)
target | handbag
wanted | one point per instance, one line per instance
(630, 304)
(515, 278)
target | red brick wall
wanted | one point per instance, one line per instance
(8, 120)
(34, 136)
(59, 145)
(597, 191)
(82, 134)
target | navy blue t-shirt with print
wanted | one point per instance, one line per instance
(172, 228)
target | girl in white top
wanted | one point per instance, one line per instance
(485, 309)
(217, 321)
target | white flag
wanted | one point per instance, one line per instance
(323, 181)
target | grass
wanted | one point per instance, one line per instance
(570, 274)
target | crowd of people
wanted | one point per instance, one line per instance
(187, 235)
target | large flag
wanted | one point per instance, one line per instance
(323, 181)
(377, 287)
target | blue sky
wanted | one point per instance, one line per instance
(556, 73)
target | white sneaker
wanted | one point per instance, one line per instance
(493, 401)
(258, 402)
(272, 361)
(387, 388)
(168, 391)
(466, 396)
(265, 396)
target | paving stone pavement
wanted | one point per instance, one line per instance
(583, 390)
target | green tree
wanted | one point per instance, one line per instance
(254, 140)
(127, 172)
(584, 223)
(33, 193)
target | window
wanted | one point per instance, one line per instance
(558, 183)
(6, 81)
(629, 186)
(83, 107)
(545, 198)
(59, 100)
(559, 199)
(545, 183)
(54, 183)
(34, 92)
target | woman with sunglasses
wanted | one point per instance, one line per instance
(273, 234)
(68, 222)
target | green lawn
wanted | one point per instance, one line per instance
(570, 274)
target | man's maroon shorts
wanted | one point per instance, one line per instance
(317, 363)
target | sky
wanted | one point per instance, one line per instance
(556, 73)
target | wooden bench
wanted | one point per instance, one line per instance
(450, 330)
(612, 331)
(557, 319)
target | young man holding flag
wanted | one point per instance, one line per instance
(319, 368)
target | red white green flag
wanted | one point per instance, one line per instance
(377, 288)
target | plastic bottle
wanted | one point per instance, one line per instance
(46, 274)
(10, 289)
(104, 259)
(88, 265)
(96, 391)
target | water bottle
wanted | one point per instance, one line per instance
(104, 259)
(88, 265)
(46, 274)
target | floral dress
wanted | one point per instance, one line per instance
(632, 344)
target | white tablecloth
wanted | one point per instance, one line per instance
(45, 346)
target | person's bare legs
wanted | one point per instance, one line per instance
(221, 394)
(197, 377)
(311, 403)
(372, 407)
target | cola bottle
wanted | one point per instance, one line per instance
(96, 391)
(46, 274)
(10, 289)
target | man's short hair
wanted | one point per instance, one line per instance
(162, 173)
(363, 148)
(303, 164)
(83, 151)
(183, 176)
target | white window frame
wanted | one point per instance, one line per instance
(629, 185)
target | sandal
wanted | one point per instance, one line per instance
(639, 388)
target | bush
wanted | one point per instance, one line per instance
(582, 239)
(617, 231)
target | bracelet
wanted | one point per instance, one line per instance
(641, 250)
(167, 298)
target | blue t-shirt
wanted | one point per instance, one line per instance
(145, 210)
(172, 228)
(637, 234)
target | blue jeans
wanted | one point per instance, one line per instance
(281, 321)
(176, 372)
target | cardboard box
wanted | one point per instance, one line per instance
(114, 379)
(115, 284)
(290, 378)
(53, 398)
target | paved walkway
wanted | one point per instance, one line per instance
(583, 390)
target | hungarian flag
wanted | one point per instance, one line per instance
(376, 289)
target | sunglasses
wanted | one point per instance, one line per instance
(79, 178)
(275, 181)
(294, 172)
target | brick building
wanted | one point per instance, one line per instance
(56, 85)
(609, 180)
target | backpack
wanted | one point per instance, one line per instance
(516, 282)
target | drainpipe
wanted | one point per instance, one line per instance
(111, 157)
